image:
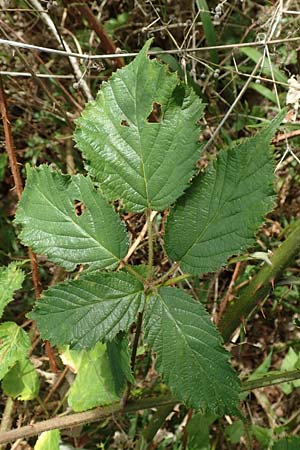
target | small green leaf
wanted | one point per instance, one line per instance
(3, 165)
(11, 279)
(94, 308)
(235, 431)
(93, 370)
(21, 381)
(49, 440)
(14, 346)
(287, 443)
(52, 226)
(198, 431)
(290, 362)
(140, 135)
(256, 55)
(119, 361)
(190, 356)
(219, 215)
(263, 435)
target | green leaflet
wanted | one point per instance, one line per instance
(94, 370)
(11, 279)
(287, 443)
(94, 308)
(144, 163)
(14, 346)
(219, 215)
(48, 440)
(119, 362)
(21, 381)
(198, 430)
(51, 226)
(190, 356)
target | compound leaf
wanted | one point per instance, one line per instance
(219, 215)
(11, 279)
(85, 311)
(91, 234)
(140, 135)
(14, 346)
(189, 353)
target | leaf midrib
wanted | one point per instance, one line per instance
(78, 226)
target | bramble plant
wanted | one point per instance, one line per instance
(140, 142)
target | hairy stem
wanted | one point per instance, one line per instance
(133, 356)
(174, 280)
(136, 339)
(73, 420)
(96, 414)
(133, 272)
(160, 281)
(270, 379)
(261, 284)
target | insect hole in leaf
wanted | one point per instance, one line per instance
(79, 207)
(156, 113)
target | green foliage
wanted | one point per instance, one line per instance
(49, 440)
(291, 361)
(142, 159)
(85, 311)
(18, 374)
(3, 165)
(189, 350)
(22, 381)
(14, 346)
(235, 431)
(208, 28)
(93, 370)
(11, 279)
(105, 369)
(255, 55)
(198, 432)
(288, 443)
(114, 24)
(219, 215)
(140, 141)
(52, 227)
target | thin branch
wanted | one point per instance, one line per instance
(19, 189)
(260, 285)
(94, 415)
(9, 143)
(17, 178)
(79, 75)
(270, 379)
(73, 420)
(156, 52)
(106, 42)
(6, 420)
(38, 75)
(139, 239)
(284, 136)
(228, 294)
